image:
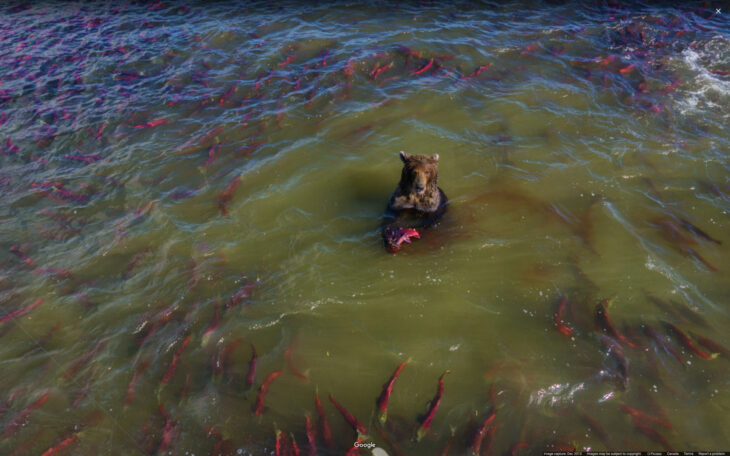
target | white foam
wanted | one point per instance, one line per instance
(707, 90)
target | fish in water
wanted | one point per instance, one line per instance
(385, 395)
(433, 406)
(349, 417)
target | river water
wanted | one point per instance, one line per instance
(183, 185)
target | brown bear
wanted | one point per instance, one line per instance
(417, 200)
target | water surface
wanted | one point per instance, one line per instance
(181, 184)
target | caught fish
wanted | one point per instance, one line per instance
(434, 405)
(405, 235)
(394, 237)
(385, 395)
(262, 392)
(350, 418)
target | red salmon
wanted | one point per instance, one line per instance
(262, 392)
(385, 395)
(435, 402)
(350, 418)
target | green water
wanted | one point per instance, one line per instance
(565, 178)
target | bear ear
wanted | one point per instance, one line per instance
(435, 157)
(404, 156)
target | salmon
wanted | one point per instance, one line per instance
(434, 405)
(385, 395)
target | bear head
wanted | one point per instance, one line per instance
(420, 174)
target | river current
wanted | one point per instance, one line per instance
(191, 197)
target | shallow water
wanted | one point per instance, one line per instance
(178, 180)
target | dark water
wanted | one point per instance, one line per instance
(183, 184)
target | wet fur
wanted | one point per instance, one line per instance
(425, 207)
